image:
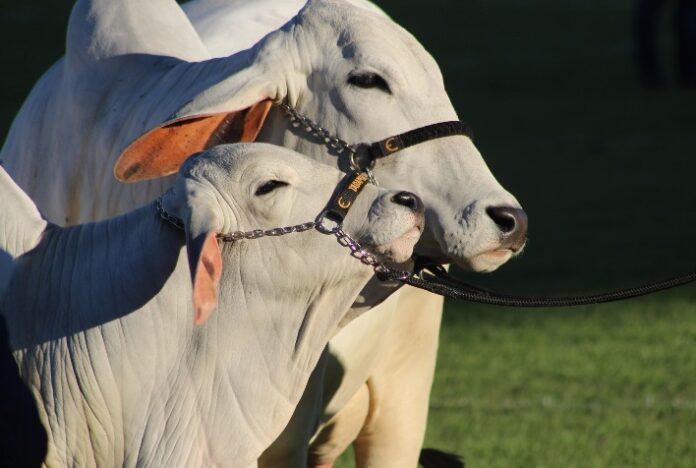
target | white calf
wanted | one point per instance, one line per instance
(99, 315)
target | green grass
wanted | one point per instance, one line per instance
(606, 386)
(605, 170)
(597, 386)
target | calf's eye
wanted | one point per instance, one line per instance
(269, 186)
(369, 80)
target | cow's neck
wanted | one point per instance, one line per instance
(100, 272)
(86, 339)
(256, 352)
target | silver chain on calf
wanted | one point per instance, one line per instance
(238, 235)
(259, 233)
(343, 238)
(349, 188)
(357, 251)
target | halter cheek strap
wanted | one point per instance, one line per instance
(348, 190)
(367, 153)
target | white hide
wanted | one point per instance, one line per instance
(105, 336)
(230, 26)
(90, 106)
(249, 23)
(393, 348)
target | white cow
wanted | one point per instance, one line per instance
(138, 72)
(99, 315)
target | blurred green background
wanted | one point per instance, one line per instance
(605, 170)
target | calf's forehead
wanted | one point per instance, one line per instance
(232, 165)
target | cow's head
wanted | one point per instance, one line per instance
(245, 187)
(364, 78)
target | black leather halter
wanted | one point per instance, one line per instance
(366, 154)
(344, 196)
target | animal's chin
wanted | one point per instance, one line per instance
(400, 249)
(484, 261)
(488, 261)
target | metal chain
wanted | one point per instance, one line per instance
(298, 120)
(357, 251)
(343, 238)
(179, 224)
(239, 235)
(259, 233)
(331, 141)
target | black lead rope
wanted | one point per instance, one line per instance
(436, 280)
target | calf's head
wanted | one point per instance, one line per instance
(244, 187)
(364, 78)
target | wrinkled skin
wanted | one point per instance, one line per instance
(309, 63)
(370, 403)
(143, 385)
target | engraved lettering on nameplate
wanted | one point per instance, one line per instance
(358, 182)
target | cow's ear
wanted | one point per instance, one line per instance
(161, 151)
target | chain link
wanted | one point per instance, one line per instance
(259, 233)
(357, 250)
(239, 235)
(298, 120)
(331, 141)
(179, 224)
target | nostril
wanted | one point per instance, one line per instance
(508, 219)
(408, 200)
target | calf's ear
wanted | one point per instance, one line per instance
(162, 150)
(202, 219)
(205, 264)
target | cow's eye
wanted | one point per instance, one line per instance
(269, 186)
(368, 80)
